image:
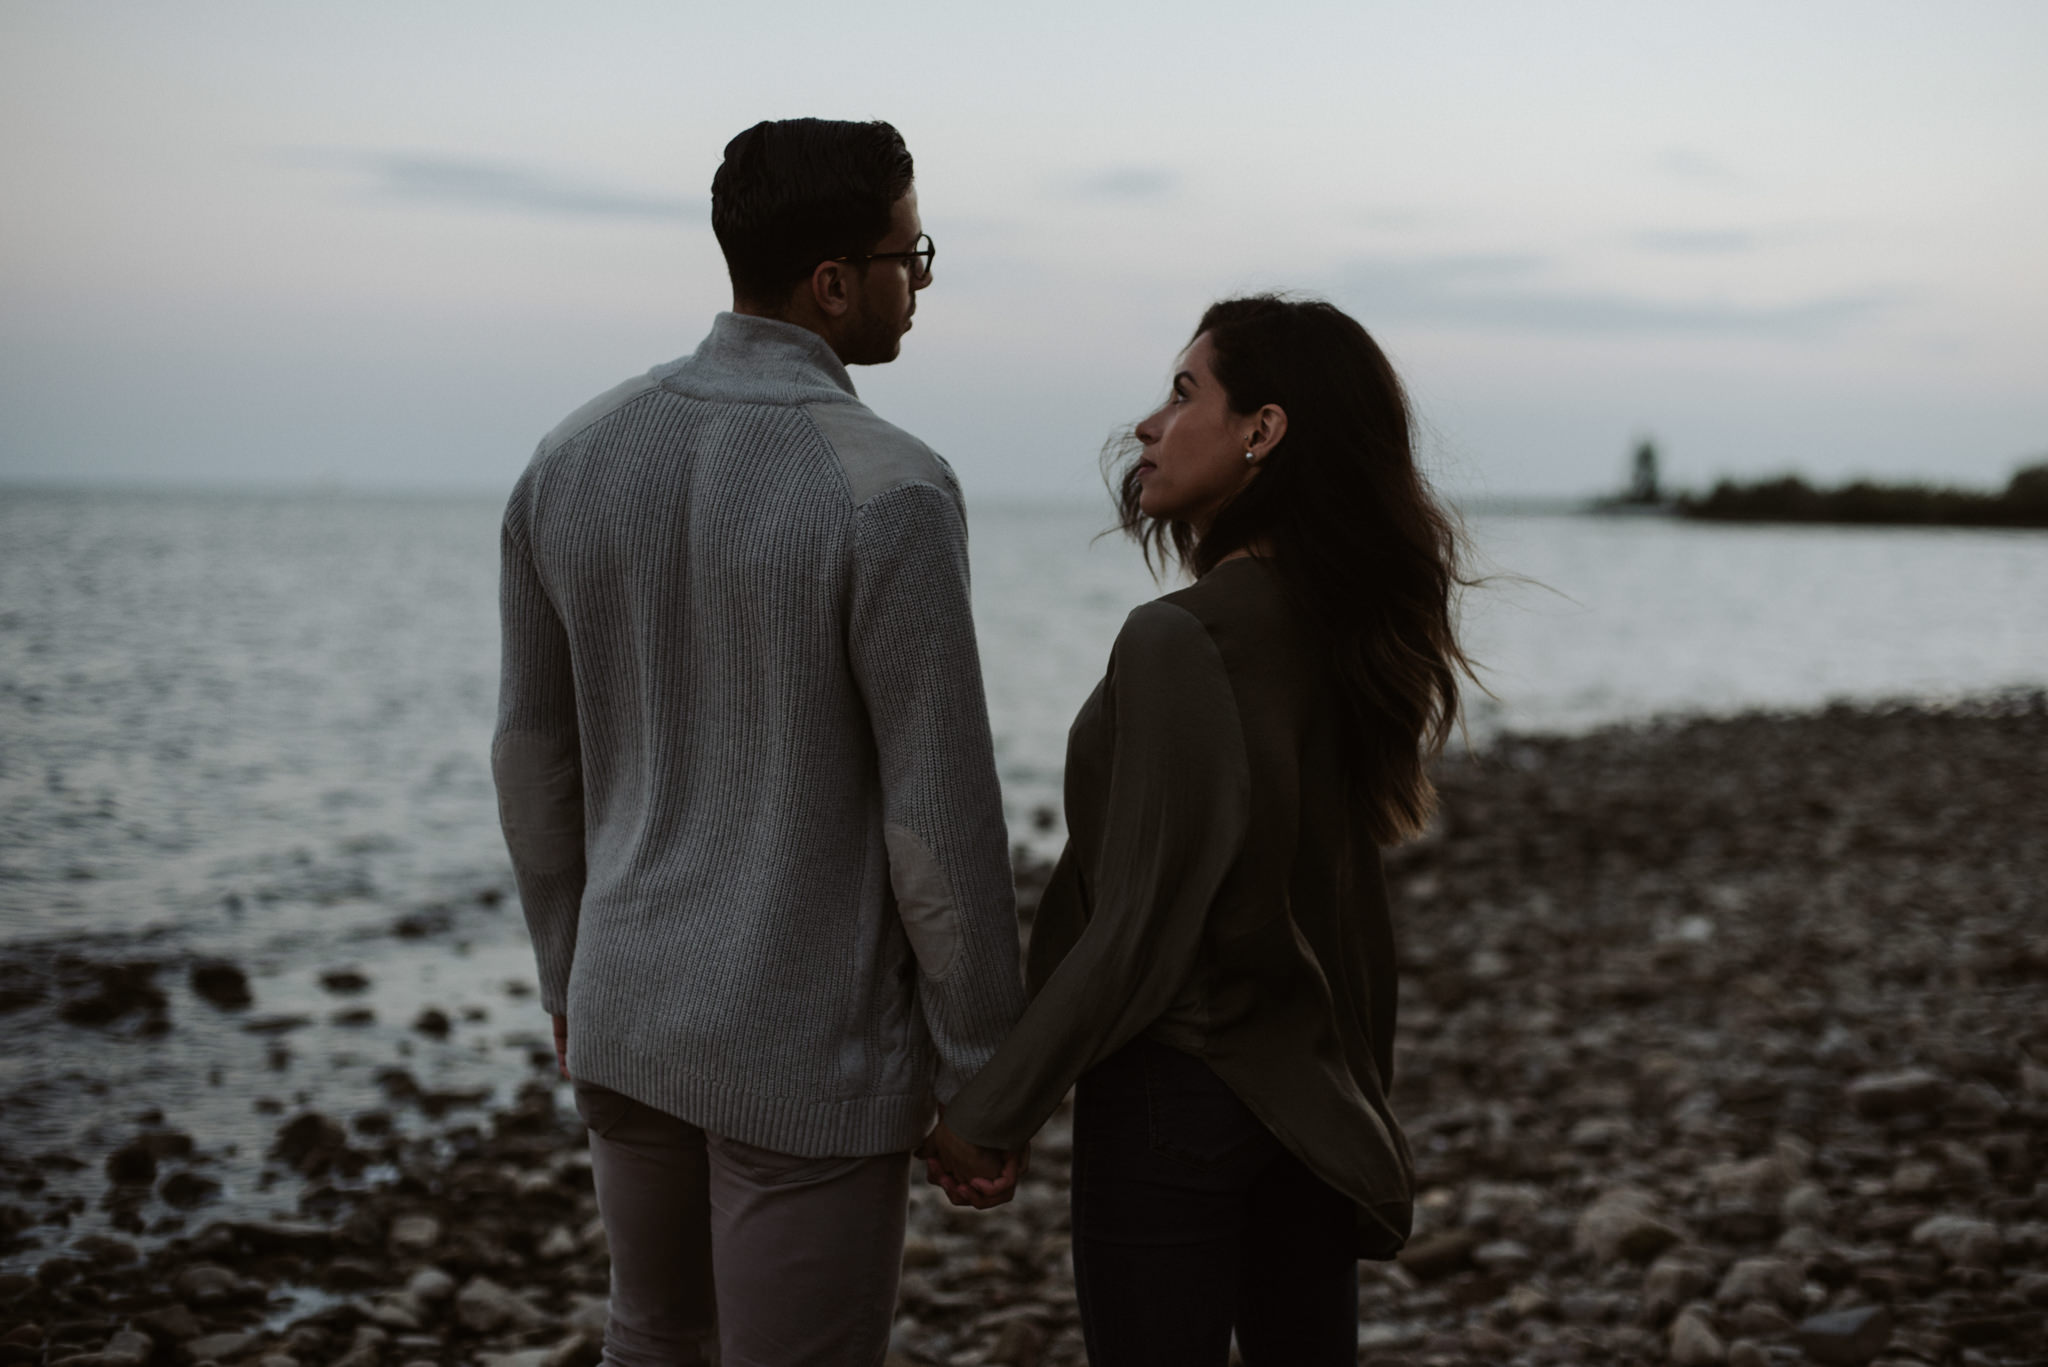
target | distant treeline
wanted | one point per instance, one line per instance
(2024, 502)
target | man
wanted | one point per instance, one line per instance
(745, 774)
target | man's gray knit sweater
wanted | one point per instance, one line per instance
(742, 754)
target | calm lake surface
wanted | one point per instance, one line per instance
(257, 727)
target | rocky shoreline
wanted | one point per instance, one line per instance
(1721, 1041)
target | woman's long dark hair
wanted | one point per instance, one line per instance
(1369, 556)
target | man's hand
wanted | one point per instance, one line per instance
(562, 1043)
(969, 1174)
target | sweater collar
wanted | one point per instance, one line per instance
(747, 359)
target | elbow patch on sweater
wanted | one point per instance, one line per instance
(924, 901)
(540, 800)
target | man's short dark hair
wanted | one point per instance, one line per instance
(794, 192)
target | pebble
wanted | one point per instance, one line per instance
(414, 1234)
(1672, 1281)
(1880, 1096)
(173, 1322)
(1747, 1353)
(483, 1306)
(222, 983)
(1847, 1337)
(188, 1189)
(1761, 1279)
(431, 1285)
(1961, 1239)
(1623, 1222)
(1861, 874)
(1694, 1342)
(207, 1284)
(220, 1347)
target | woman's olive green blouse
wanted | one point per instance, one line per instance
(1219, 894)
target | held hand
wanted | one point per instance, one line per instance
(562, 1043)
(969, 1174)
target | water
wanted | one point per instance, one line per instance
(257, 727)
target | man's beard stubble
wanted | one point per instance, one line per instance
(874, 339)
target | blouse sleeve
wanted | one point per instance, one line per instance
(1174, 823)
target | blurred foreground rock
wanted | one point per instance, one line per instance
(1720, 1043)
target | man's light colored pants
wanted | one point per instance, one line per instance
(723, 1252)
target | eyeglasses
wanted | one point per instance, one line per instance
(919, 258)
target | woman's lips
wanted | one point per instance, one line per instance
(1145, 467)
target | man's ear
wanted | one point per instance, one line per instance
(831, 288)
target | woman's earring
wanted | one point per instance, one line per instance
(1250, 454)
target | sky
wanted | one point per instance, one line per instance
(382, 245)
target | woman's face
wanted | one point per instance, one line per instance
(1194, 446)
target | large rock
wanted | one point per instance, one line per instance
(485, 1307)
(1961, 1239)
(1846, 1337)
(1910, 1091)
(1623, 1222)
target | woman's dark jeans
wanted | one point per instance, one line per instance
(1191, 1218)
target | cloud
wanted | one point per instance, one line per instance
(1502, 292)
(1697, 241)
(1127, 183)
(1693, 164)
(505, 187)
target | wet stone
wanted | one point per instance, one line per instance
(413, 1234)
(173, 1323)
(1694, 1342)
(133, 1164)
(1623, 1223)
(1775, 1280)
(188, 1189)
(1961, 1239)
(484, 1306)
(222, 983)
(1848, 1337)
(1881, 1096)
(222, 1347)
(207, 1284)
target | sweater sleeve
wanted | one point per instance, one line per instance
(912, 647)
(535, 759)
(1175, 820)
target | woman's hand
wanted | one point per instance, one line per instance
(969, 1174)
(562, 1043)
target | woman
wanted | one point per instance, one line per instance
(1213, 959)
